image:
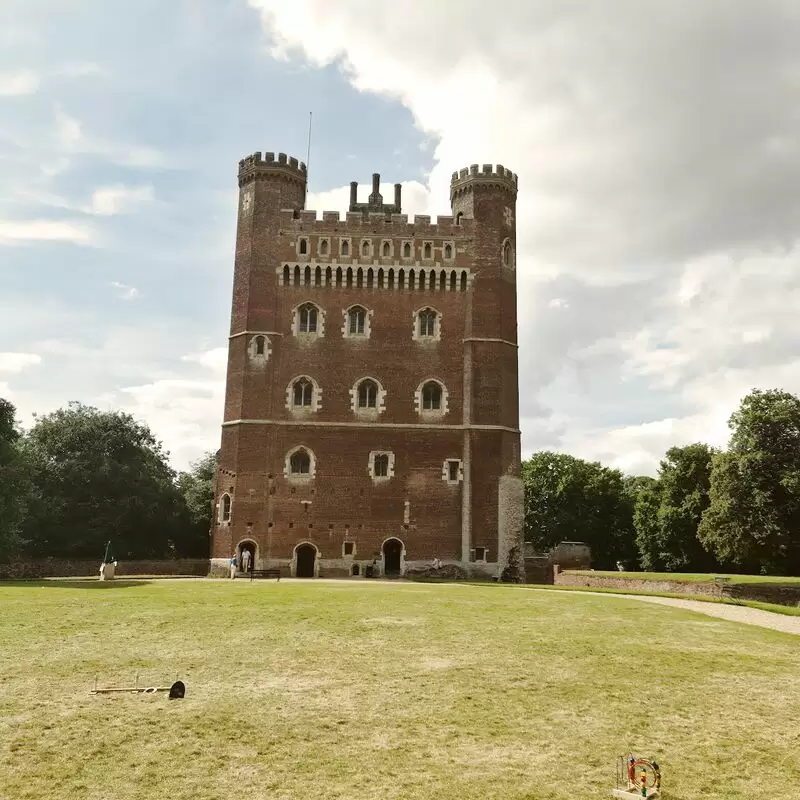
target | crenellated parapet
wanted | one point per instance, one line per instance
(499, 177)
(254, 166)
(357, 223)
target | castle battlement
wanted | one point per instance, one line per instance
(252, 166)
(360, 224)
(465, 179)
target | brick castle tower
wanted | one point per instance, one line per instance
(371, 410)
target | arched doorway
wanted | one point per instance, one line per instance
(392, 557)
(249, 547)
(305, 558)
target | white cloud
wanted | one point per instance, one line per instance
(119, 199)
(18, 83)
(78, 69)
(216, 360)
(13, 363)
(659, 197)
(22, 231)
(124, 291)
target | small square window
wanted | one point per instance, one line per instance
(349, 548)
(480, 554)
(452, 470)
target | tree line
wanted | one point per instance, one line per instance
(80, 477)
(736, 510)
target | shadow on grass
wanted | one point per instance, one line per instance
(74, 583)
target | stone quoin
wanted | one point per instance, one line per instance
(371, 410)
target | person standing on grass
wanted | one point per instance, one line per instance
(233, 566)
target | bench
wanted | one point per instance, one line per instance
(265, 573)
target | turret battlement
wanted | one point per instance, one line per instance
(498, 176)
(252, 166)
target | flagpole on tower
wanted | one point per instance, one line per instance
(308, 152)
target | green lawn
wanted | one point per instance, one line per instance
(686, 577)
(391, 691)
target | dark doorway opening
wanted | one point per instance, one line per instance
(392, 552)
(250, 559)
(306, 555)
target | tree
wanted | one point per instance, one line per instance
(567, 498)
(197, 488)
(98, 476)
(13, 482)
(668, 512)
(753, 520)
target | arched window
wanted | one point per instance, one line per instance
(318, 276)
(426, 323)
(345, 248)
(367, 396)
(323, 247)
(300, 462)
(359, 277)
(380, 278)
(260, 344)
(406, 250)
(459, 217)
(364, 248)
(442, 280)
(508, 254)
(349, 277)
(296, 275)
(464, 281)
(303, 247)
(338, 276)
(431, 396)
(370, 278)
(411, 279)
(448, 251)
(225, 508)
(287, 276)
(453, 281)
(427, 250)
(421, 279)
(386, 249)
(307, 319)
(307, 276)
(302, 392)
(356, 319)
(328, 276)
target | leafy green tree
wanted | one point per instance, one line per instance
(668, 513)
(567, 498)
(753, 520)
(13, 482)
(98, 476)
(197, 488)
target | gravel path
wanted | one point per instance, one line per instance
(749, 616)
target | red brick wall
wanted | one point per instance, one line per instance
(342, 498)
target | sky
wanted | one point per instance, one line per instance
(657, 146)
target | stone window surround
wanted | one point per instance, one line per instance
(431, 412)
(302, 256)
(384, 242)
(320, 332)
(475, 558)
(221, 519)
(370, 248)
(348, 555)
(300, 477)
(367, 322)
(252, 348)
(390, 467)
(380, 399)
(425, 244)
(316, 396)
(349, 241)
(437, 325)
(513, 264)
(452, 250)
(446, 471)
(403, 255)
(324, 240)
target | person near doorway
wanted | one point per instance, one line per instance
(245, 561)
(233, 567)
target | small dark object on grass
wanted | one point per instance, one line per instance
(177, 690)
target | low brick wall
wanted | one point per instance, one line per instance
(781, 594)
(79, 568)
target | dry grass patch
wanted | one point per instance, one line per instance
(355, 690)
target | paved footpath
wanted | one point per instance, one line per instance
(745, 614)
